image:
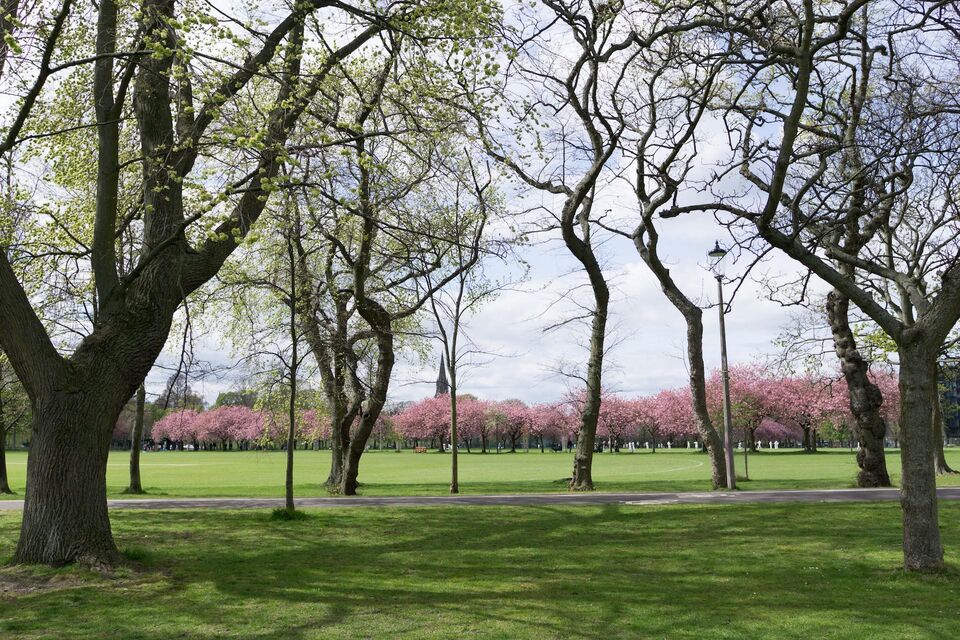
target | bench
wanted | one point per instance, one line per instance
(419, 449)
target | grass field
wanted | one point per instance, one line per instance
(746, 571)
(259, 474)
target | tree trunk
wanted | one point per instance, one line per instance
(940, 458)
(65, 515)
(922, 549)
(582, 479)
(379, 320)
(865, 397)
(693, 317)
(4, 483)
(454, 472)
(698, 397)
(136, 443)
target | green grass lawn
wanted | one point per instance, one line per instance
(746, 571)
(260, 473)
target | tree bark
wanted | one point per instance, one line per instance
(378, 318)
(582, 479)
(65, 515)
(4, 482)
(865, 397)
(645, 240)
(922, 548)
(698, 397)
(136, 443)
(454, 470)
(940, 458)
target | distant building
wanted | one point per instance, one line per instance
(443, 387)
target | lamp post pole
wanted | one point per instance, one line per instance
(727, 418)
(717, 254)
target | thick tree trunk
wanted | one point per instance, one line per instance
(865, 397)
(922, 549)
(65, 515)
(136, 443)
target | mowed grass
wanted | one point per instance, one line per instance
(744, 571)
(261, 473)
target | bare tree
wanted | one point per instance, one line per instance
(568, 86)
(804, 195)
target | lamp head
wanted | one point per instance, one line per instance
(717, 252)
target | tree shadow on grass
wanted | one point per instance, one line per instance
(610, 571)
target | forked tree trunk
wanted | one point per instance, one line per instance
(922, 548)
(136, 443)
(377, 397)
(865, 397)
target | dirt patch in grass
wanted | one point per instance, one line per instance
(16, 582)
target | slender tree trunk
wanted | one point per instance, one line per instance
(4, 482)
(645, 241)
(454, 478)
(940, 458)
(922, 548)
(293, 370)
(136, 442)
(698, 397)
(865, 397)
(582, 479)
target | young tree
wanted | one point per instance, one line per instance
(660, 107)
(136, 442)
(14, 413)
(579, 136)
(469, 289)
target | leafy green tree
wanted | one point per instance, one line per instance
(184, 88)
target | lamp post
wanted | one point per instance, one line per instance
(717, 253)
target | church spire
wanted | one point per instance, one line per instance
(443, 387)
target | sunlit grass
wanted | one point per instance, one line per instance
(261, 473)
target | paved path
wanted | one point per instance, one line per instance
(529, 499)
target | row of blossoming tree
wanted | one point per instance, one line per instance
(793, 410)
(233, 427)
